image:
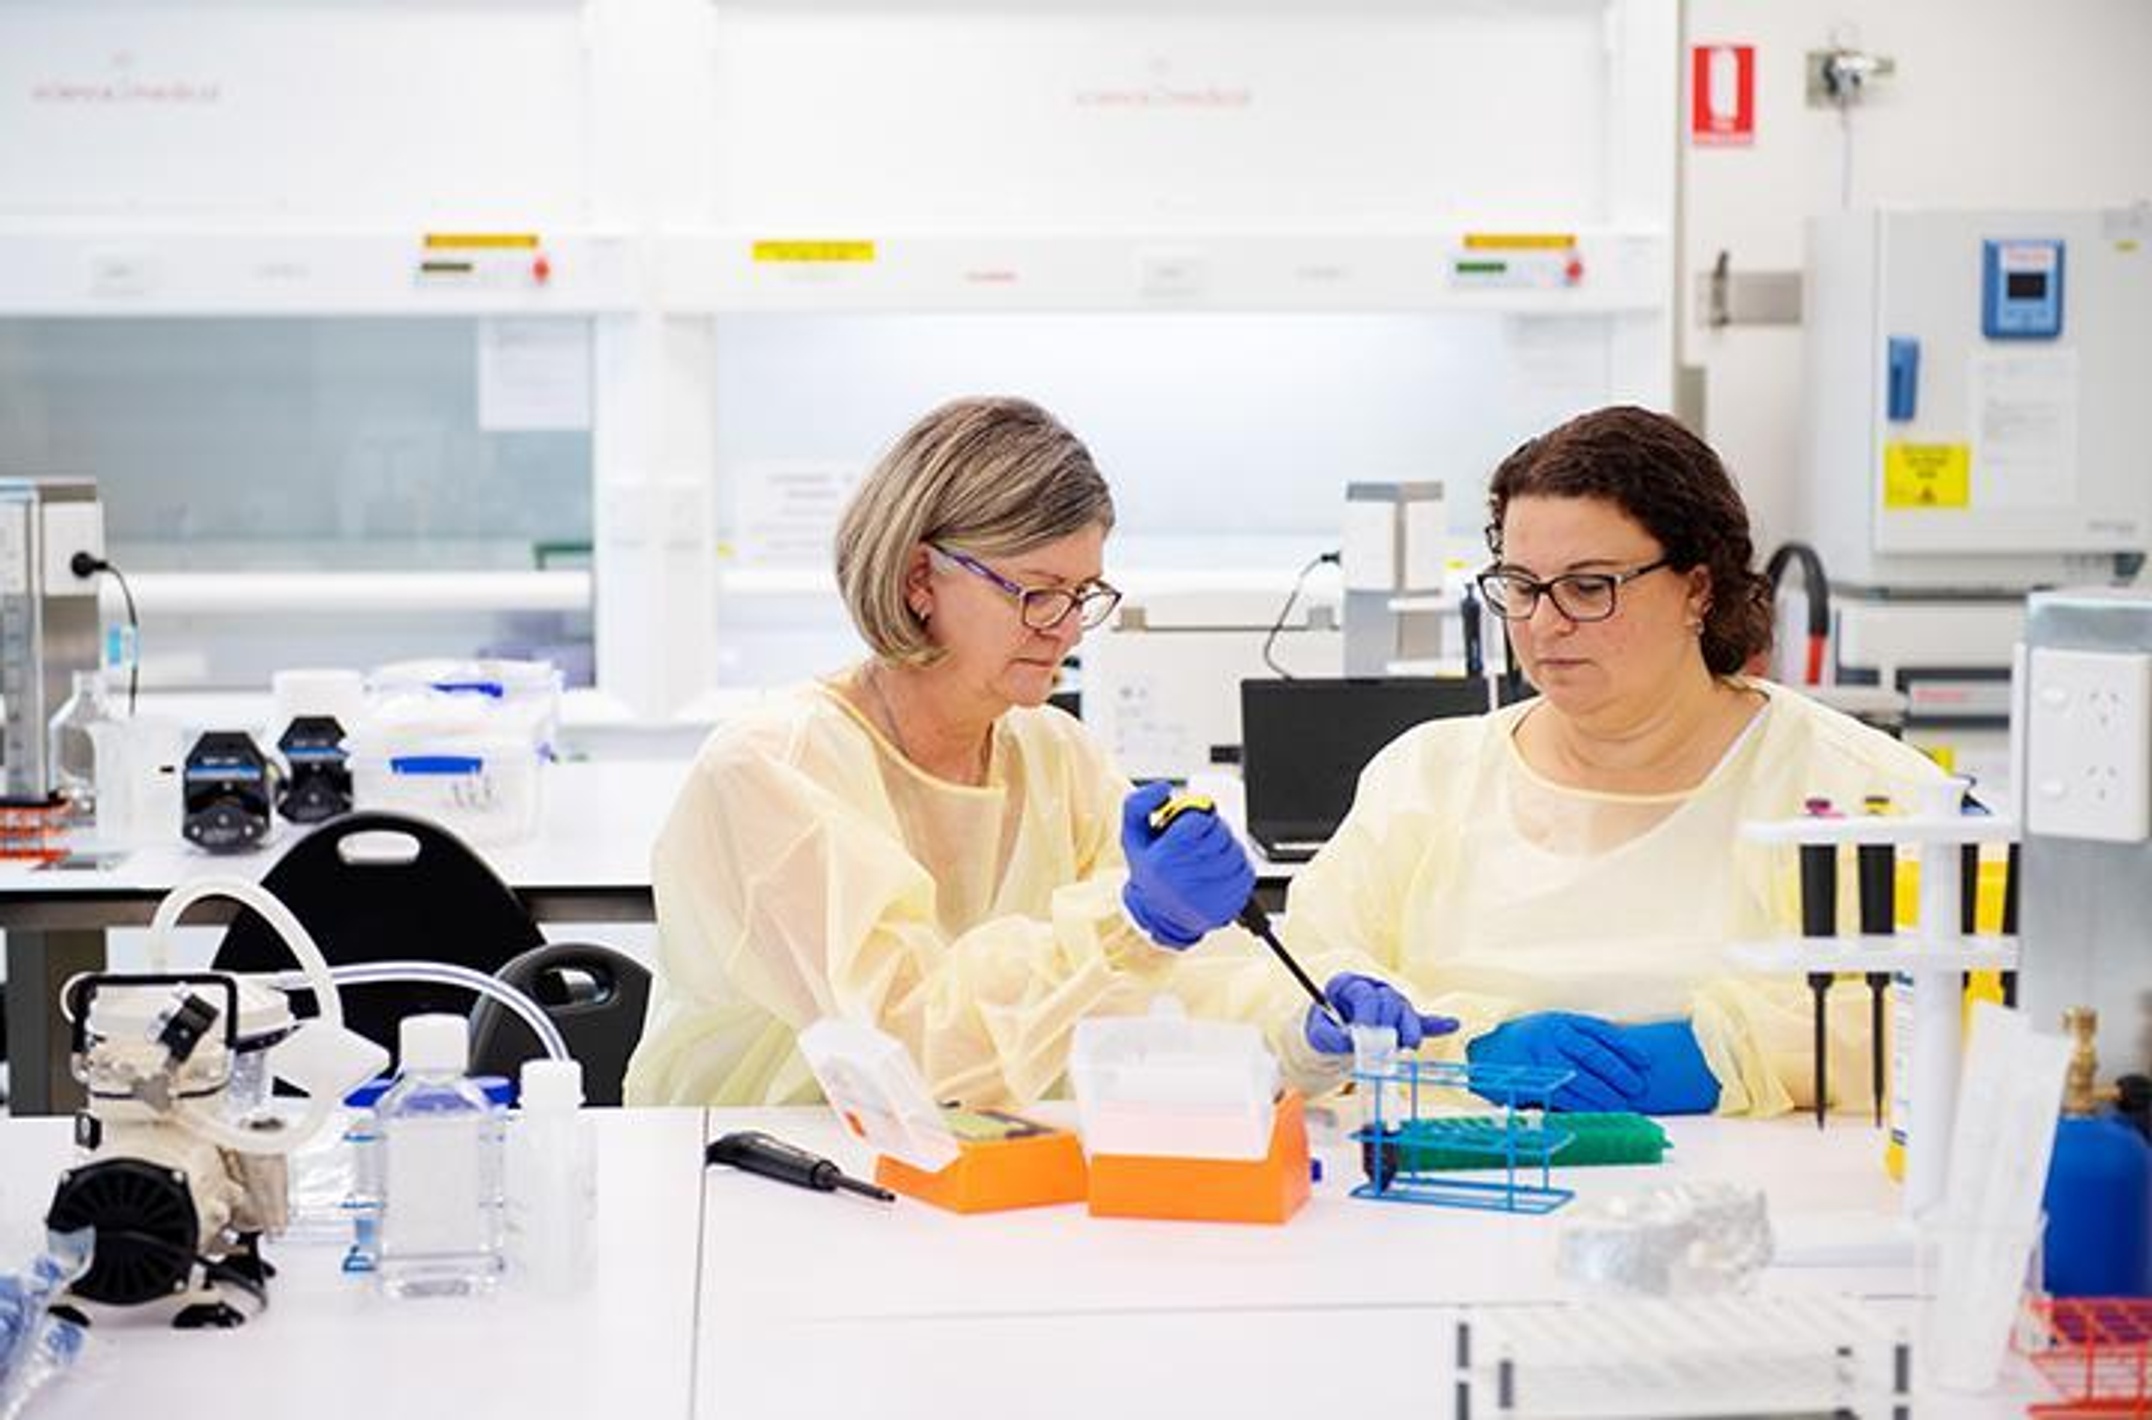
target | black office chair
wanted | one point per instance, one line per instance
(594, 995)
(386, 887)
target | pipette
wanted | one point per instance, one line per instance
(1819, 918)
(2010, 914)
(752, 1151)
(1252, 916)
(1878, 874)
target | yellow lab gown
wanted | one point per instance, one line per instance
(810, 869)
(1488, 892)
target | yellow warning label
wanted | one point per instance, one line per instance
(1919, 476)
(494, 241)
(1520, 241)
(814, 251)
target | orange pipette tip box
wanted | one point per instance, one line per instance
(1026, 1170)
(1266, 1190)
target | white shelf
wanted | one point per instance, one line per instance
(1277, 269)
(1885, 828)
(132, 270)
(1900, 953)
(359, 593)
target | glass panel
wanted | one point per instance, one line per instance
(225, 445)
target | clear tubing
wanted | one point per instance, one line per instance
(315, 977)
(443, 973)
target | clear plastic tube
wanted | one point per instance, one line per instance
(315, 978)
(441, 973)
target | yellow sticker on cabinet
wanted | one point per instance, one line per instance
(1520, 241)
(1927, 476)
(813, 251)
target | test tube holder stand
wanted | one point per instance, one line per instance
(1927, 961)
(1530, 1141)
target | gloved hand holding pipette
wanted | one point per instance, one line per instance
(1204, 882)
(1187, 873)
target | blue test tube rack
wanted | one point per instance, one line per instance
(1523, 1139)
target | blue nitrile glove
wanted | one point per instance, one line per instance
(1190, 879)
(1364, 1001)
(1609, 1070)
(1676, 1079)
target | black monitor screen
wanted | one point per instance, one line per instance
(1304, 743)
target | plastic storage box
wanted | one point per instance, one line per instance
(463, 743)
(1162, 1085)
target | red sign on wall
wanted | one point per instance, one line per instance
(1722, 95)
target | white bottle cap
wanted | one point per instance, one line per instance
(435, 1044)
(552, 1084)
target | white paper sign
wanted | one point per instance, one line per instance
(2024, 408)
(533, 374)
(785, 514)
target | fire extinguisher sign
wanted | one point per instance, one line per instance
(1722, 95)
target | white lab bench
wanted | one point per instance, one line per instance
(720, 1294)
(589, 861)
(330, 1347)
(833, 1305)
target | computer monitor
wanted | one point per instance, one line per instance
(1304, 743)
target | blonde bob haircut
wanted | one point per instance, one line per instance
(992, 477)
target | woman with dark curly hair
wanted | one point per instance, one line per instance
(1563, 875)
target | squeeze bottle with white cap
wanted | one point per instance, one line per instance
(552, 1181)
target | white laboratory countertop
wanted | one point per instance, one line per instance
(904, 1309)
(329, 1346)
(722, 1295)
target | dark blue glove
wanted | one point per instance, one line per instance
(1676, 1079)
(1190, 879)
(1609, 1070)
(1364, 1001)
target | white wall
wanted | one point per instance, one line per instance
(2017, 103)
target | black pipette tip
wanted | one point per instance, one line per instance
(1820, 983)
(864, 1189)
(1878, 985)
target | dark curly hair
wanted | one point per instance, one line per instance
(1671, 483)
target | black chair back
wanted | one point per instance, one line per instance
(594, 995)
(385, 887)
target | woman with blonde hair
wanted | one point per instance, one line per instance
(920, 841)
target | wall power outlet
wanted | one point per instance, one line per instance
(2088, 745)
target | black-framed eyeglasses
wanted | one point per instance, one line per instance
(1579, 596)
(1043, 608)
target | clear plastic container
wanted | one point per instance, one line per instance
(521, 698)
(463, 743)
(486, 789)
(348, 1177)
(73, 748)
(441, 1170)
(1166, 1086)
